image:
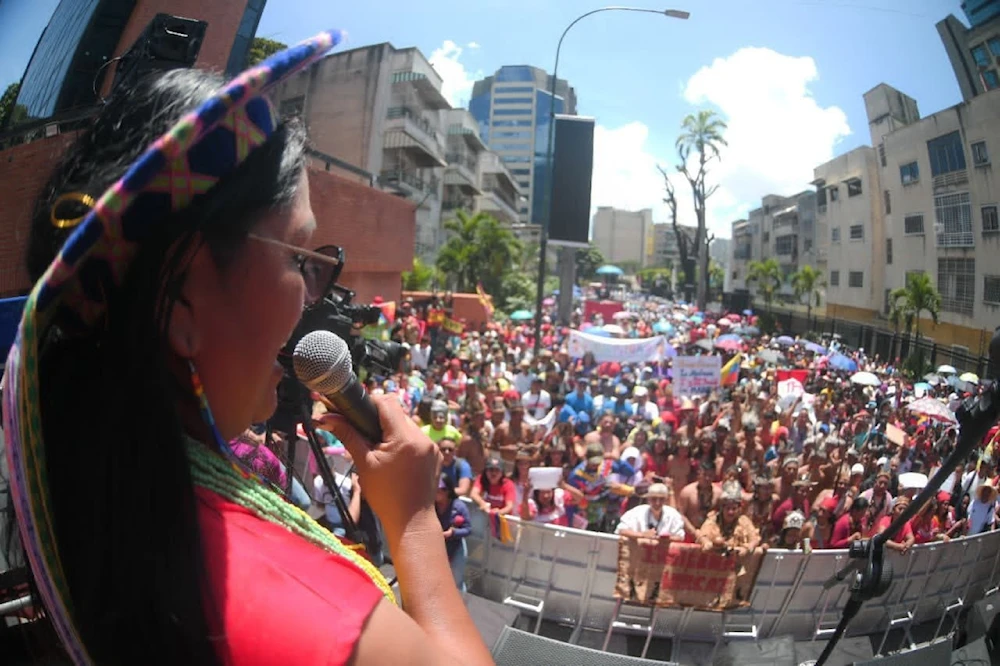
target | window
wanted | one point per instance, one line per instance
(993, 43)
(980, 56)
(888, 202)
(508, 147)
(913, 224)
(514, 89)
(946, 154)
(835, 235)
(784, 245)
(524, 184)
(808, 246)
(909, 173)
(511, 112)
(834, 193)
(954, 220)
(956, 282)
(513, 135)
(881, 153)
(979, 154)
(990, 222)
(524, 159)
(991, 80)
(886, 305)
(856, 279)
(888, 250)
(520, 172)
(511, 123)
(991, 289)
(767, 237)
(854, 187)
(512, 100)
(834, 278)
(857, 232)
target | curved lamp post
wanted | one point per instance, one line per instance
(543, 245)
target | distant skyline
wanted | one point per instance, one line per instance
(787, 76)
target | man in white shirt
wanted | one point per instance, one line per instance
(420, 354)
(652, 520)
(522, 380)
(536, 402)
(642, 407)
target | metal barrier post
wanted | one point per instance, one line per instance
(593, 554)
(904, 620)
(796, 581)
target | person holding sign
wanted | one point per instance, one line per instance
(654, 519)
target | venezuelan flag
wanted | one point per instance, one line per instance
(730, 372)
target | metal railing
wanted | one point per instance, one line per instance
(409, 178)
(68, 121)
(413, 116)
(462, 159)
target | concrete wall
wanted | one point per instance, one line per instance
(624, 235)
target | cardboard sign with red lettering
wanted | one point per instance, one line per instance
(680, 575)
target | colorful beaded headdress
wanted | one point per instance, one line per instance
(186, 162)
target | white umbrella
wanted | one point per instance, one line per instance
(614, 329)
(865, 379)
(912, 481)
(625, 315)
(970, 377)
(946, 370)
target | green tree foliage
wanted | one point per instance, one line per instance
(917, 297)
(808, 282)
(480, 249)
(716, 278)
(587, 262)
(17, 112)
(421, 278)
(767, 274)
(262, 48)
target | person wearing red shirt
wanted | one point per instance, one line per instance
(493, 491)
(902, 539)
(850, 526)
(797, 501)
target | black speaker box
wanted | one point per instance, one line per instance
(168, 42)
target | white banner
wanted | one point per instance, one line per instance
(618, 350)
(696, 375)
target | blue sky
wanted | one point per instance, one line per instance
(787, 75)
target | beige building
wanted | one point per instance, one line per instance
(665, 249)
(932, 196)
(380, 110)
(464, 148)
(624, 235)
(974, 54)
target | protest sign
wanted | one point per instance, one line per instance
(679, 575)
(616, 350)
(696, 375)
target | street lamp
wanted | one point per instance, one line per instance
(543, 245)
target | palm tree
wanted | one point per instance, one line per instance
(808, 282)
(767, 274)
(421, 278)
(701, 133)
(479, 249)
(909, 302)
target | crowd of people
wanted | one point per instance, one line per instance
(825, 462)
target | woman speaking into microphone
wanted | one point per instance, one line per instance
(147, 343)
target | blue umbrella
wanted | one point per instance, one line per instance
(668, 350)
(785, 340)
(748, 313)
(608, 269)
(663, 327)
(815, 348)
(521, 315)
(840, 362)
(728, 337)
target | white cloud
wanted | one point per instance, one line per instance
(472, 45)
(457, 82)
(777, 134)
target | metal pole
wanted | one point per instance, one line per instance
(543, 244)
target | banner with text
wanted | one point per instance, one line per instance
(696, 375)
(679, 575)
(616, 350)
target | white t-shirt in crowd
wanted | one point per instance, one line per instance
(420, 355)
(537, 405)
(640, 519)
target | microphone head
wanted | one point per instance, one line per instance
(322, 362)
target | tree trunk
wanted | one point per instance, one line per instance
(703, 274)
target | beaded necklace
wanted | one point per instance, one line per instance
(224, 478)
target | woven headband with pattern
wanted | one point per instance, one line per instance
(184, 163)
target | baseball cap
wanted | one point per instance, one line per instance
(494, 463)
(595, 453)
(857, 468)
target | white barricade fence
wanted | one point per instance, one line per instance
(568, 576)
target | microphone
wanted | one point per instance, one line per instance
(322, 362)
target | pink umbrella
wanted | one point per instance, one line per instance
(549, 301)
(933, 408)
(724, 323)
(729, 345)
(733, 317)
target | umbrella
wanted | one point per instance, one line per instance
(521, 315)
(771, 356)
(912, 480)
(933, 379)
(840, 362)
(933, 409)
(961, 386)
(728, 337)
(608, 269)
(549, 301)
(704, 344)
(732, 316)
(970, 377)
(724, 323)
(614, 329)
(663, 327)
(728, 345)
(815, 348)
(748, 312)
(921, 388)
(946, 370)
(865, 379)
(624, 315)
(785, 341)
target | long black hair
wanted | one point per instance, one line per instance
(122, 496)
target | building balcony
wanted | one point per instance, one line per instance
(461, 172)
(406, 129)
(493, 202)
(950, 179)
(426, 88)
(409, 183)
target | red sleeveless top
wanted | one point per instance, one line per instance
(276, 597)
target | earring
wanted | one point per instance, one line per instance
(198, 388)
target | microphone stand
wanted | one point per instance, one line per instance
(873, 575)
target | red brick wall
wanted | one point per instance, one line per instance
(223, 18)
(465, 307)
(23, 172)
(376, 230)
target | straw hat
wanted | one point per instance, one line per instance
(658, 490)
(731, 492)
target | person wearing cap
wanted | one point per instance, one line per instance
(655, 519)
(851, 526)
(982, 510)
(439, 428)
(642, 407)
(698, 498)
(493, 492)
(878, 496)
(726, 529)
(523, 377)
(592, 478)
(790, 537)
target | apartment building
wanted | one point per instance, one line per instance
(379, 111)
(974, 52)
(464, 150)
(512, 108)
(665, 248)
(931, 197)
(624, 235)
